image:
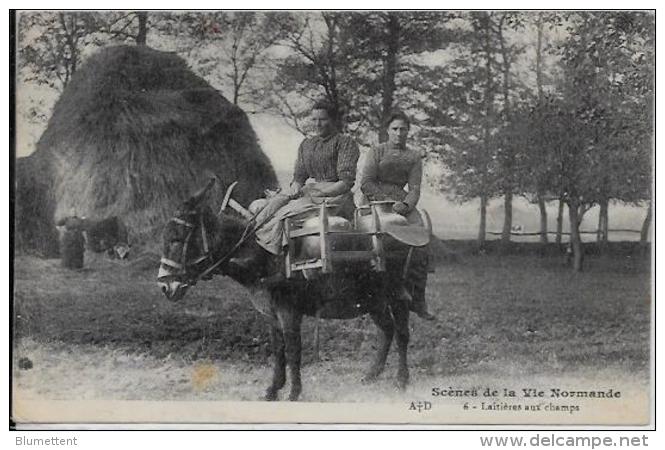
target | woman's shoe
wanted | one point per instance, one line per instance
(419, 306)
(423, 313)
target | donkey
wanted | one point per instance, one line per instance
(197, 243)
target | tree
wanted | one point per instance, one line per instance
(124, 26)
(53, 50)
(540, 175)
(462, 109)
(50, 48)
(567, 136)
(513, 132)
(383, 56)
(52, 45)
(312, 66)
(231, 46)
(644, 232)
(596, 129)
(361, 62)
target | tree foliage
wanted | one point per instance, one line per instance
(546, 105)
(598, 133)
(52, 45)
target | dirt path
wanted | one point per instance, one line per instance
(62, 372)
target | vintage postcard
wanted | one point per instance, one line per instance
(307, 218)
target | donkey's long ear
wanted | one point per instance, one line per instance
(198, 197)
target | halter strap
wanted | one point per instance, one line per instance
(171, 263)
(204, 236)
(182, 222)
(199, 259)
(183, 264)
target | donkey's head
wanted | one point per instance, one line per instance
(188, 240)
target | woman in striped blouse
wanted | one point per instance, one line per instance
(325, 168)
(329, 159)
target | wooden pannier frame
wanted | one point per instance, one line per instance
(376, 257)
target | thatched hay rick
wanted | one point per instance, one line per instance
(133, 134)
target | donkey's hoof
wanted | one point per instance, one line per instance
(369, 378)
(294, 395)
(271, 395)
(402, 382)
(401, 385)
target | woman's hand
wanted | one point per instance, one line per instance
(401, 208)
(325, 189)
(312, 190)
(295, 190)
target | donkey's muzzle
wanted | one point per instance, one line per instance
(173, 290)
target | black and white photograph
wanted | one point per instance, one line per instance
(392, 218)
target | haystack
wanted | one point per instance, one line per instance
(135, 132)
(35, 230)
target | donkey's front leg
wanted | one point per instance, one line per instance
(290, 321)
(400, 310)
(279, 363)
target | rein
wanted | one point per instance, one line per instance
(249, 230)
(182, 265)
(226, 257)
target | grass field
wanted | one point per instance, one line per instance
(499, 316)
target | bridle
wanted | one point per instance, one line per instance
(192, 270)
(184, 267)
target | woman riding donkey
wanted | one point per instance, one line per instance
(387, 169)
(328, 160)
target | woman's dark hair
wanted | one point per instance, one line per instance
(326, 106)
(397, 115)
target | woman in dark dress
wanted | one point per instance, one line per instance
(325, 168)
(328, 161)
(387, 169)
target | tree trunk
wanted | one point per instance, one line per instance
(332, 93)
(559, 223)
(539, 86)
(142, 36)
(603, 225)
(539, 56)
(508, 164)
(389, 72)
(599, 228)
(606, 224)
(543, 219)
(575, 240)
(236, 94)
(489, 112)
(483, 221)
(646, 225)
(507, 217)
